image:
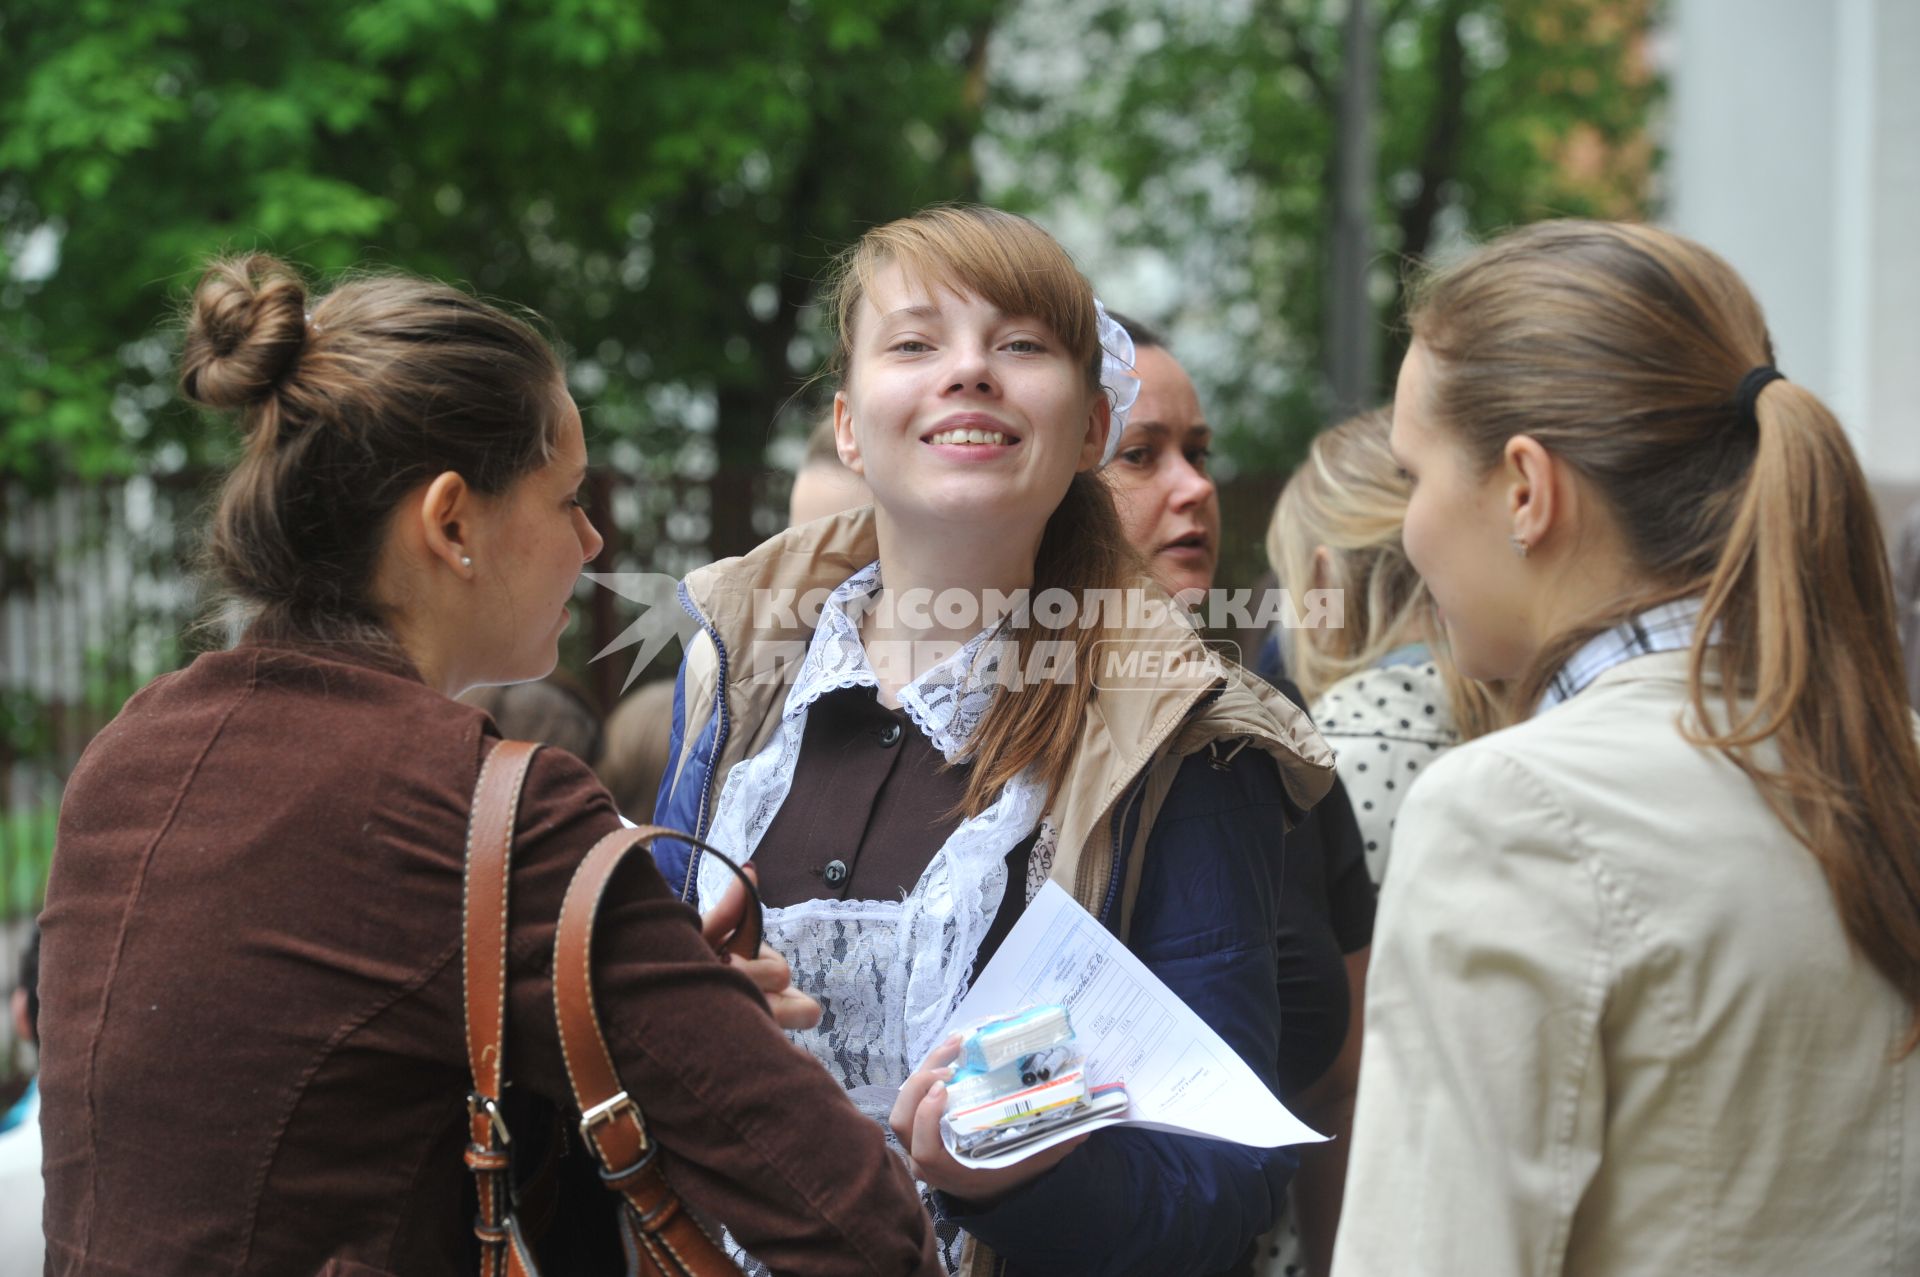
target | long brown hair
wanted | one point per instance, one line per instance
(1621, 350)
(348, 400)
(1014, 265)
(1349, 497)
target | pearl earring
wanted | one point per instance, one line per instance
(467, 562)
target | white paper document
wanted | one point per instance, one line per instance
(1180, 1076)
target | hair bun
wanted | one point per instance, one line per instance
(245, 332)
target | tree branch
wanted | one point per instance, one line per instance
(1447, 122)
(1439, 159)
(1300, 53)
(1395, 12)
(964, 125)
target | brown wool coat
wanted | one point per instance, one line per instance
(253, 1058)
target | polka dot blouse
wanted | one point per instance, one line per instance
(1385, 724)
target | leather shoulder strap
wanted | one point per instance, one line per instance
(483, 935)
(610, 1119)
(496, 803)
(657, 1226)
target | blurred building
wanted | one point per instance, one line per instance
(1794, 150)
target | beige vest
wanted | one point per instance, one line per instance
(1134, 728)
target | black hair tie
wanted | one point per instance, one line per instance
(1749, 393)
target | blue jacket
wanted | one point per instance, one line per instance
(1169, 829)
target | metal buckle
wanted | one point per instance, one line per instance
(478, 1103)
(605, 1111)
(611, 1177)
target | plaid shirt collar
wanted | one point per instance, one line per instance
(1666, 628)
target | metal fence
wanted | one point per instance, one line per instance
(97, 599)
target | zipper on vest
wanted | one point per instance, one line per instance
(1118, 874)
(720, 730)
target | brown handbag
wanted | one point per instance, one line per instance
(660, 1236)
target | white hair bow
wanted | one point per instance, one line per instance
(1117, 375)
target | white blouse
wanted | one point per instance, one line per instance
(888, 974)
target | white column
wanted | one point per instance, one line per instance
(1794, 152)
(1889, 269)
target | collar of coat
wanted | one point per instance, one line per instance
(1135, 733)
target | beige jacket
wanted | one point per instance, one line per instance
(1614, 1025)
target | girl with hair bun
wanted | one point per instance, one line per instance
(1646, 980)
(253, 1057)
(906, 771)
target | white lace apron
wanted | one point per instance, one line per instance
(888, 974)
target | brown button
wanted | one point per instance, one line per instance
(890, 735)
(836, 872)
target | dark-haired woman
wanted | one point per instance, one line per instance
(905, 772)
(1647, 970)
(253, 1054)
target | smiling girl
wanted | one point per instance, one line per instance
(908, 783)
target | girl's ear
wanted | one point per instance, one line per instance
(843, 440)
(1099, 421)
(1534, 497)
(445, 513)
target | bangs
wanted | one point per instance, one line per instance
(1003, 259)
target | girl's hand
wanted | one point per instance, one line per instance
(767, 969)
(916, 1121)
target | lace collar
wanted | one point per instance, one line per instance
(946, 703)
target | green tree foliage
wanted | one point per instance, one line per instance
(662, 181)
(1207, 132)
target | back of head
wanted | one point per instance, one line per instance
(1620, 349)
(1144, 337)
(348, 400)
(553, 710)
(822, 450)
(28, 989)
(823, 485)
(635, 759)
(1641, 360)
(1349, 498)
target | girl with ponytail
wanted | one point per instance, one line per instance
(1646, 981)
(906, 762)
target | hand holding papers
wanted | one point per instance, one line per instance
(1180, 1076)
(1020, 1078)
